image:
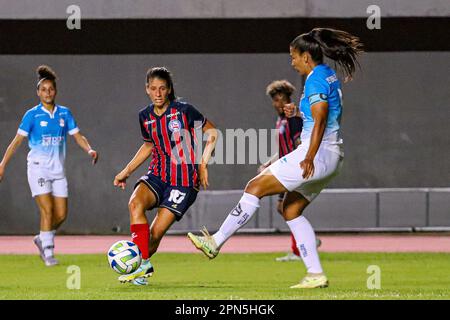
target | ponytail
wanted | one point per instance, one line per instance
(340, 46)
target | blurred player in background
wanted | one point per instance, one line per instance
(304, 172)
(46, 126)
(173, 179)
(289, 129)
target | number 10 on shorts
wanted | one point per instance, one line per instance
(176, 196)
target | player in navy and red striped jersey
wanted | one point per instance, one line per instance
(168, 129)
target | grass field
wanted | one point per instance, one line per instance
(231, 276)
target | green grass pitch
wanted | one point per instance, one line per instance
(230, 277)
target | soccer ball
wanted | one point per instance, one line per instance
(124, 257)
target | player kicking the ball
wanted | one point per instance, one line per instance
(304, 172)
(172, 182)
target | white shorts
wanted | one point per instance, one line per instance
(41, 184)
(327, 165)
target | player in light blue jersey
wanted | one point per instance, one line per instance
(46, 126)
(304, 172)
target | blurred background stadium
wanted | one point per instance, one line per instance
(222, 55)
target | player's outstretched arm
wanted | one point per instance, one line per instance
(141, 155)
(84, 144)
(15, 143)
(210, 129)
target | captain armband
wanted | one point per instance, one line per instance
(317, 97)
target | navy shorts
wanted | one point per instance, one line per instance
(175, 198)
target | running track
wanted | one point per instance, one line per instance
(242, 244)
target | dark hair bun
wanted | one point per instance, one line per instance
(45, 72)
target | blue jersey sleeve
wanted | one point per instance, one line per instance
(26, 125)
(71, 123)
(195, 118)
(317, 90)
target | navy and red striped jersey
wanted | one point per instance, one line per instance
(174, 139)
(289, 130)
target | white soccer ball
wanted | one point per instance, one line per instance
(124, 257)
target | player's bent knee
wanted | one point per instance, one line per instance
(253, 187)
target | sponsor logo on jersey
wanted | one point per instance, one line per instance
(51, 141)
(174, 125)
(332, 79)
(43, 123)
(173, 114)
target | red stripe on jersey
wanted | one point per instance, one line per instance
(281, 141)
(157, 144)
(173, 162)
(153, 162)
(188, 141)
(166, 145)
(194, 164)
(184, 166)
(288, 137)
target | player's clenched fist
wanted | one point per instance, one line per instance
(290, 110)
(120, 180)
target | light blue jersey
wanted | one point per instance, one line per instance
(47, 134)
(322, 84)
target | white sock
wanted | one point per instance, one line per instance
(47, 238)
(306, 243)
(237, 218)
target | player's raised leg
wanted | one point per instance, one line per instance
(141, 200)
(305, 238)
(264, 184)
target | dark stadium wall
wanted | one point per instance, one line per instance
(395, 123)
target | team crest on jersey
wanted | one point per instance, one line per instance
(174, 125)
(43, 123)
(62, 122)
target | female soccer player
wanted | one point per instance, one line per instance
(169, 132)
(46, 126)
(304, 172)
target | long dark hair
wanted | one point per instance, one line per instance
(338, 45)
(44, 72)
(164, 74)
